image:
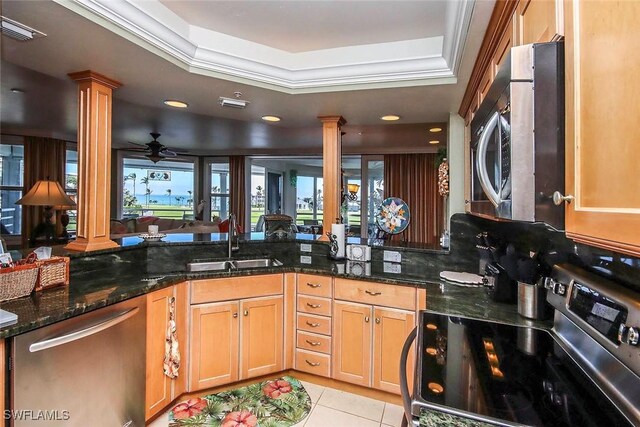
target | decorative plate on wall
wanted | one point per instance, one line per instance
(393, 215)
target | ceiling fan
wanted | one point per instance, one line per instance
(155, 150)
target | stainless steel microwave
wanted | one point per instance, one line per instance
(517, 138)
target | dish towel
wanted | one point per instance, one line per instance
(171, 347)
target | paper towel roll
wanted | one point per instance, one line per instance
(339, 231)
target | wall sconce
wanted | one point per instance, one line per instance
(353, 192)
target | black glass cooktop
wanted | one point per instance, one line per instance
(515, 374)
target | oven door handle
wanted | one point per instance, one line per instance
(481, 160)
(404, 384)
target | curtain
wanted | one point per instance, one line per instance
(44, 158)
(237, 189)
(414, 179)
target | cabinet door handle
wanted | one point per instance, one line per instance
(313, 305)
(366, 319)
(235, 315)
(377, 320)
(373, 293)
(246, 312)
(559, 198)
(313, 285)
(313, 343)
(313, 325)
(312, 363)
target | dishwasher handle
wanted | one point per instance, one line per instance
(85, 331)
(404, 385)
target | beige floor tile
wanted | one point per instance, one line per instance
(161, 421)
(353, 404)
(321, 416)
(392, 415)
(314, 390)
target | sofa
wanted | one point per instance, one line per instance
(133, 226)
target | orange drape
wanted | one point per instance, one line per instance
(43, 158)
(414, 179)
(237, 188)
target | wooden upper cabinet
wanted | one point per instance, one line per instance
(352, 343)
(214, 344)
(602, 110)
(262, 336)
(539, 21)
(504, 47)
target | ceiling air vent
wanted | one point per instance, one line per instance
(233, 103)
(19, 31)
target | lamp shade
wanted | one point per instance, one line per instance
(46, 193)
(353, 188)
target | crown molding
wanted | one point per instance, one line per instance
(419, 62)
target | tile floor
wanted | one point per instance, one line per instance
(336, 408)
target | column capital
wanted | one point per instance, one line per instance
(333, 119)
(92, 76)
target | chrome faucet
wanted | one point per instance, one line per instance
(233, 233)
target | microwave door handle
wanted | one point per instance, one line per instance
(481, 160)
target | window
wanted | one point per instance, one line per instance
(163, 189)
(308, 200)
(11, 187)
(220, 183)
(71, 186)
(375, 192)
(257, 194)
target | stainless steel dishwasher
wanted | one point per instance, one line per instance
(85, 371)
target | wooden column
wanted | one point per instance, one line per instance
(94, 161)
(331, 170)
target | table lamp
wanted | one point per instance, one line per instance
(48, 194)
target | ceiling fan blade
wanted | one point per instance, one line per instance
(142, 150)
(169, 153)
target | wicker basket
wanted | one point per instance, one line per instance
(53, 272)
(16, 282)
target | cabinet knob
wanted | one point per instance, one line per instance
(366, 319)
(313, 285)
(312, 363)
(373, 293)
(246, 312)
(235, 315)
(313, 305)
(313, 343)
(559, 199)
(377, 320)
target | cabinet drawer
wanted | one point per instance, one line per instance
(376, 293)
(314, 305)
(315, 324)
(319, 286)
(313, 342)
(230, 288)
(314, 363)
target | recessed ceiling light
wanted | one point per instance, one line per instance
(271, 118)
(390, 118)
(16, 90)
(435, 130)
(434, 141)
(176, 104)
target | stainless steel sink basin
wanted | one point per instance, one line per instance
(256, 263)
(234, 264)
(209, 265)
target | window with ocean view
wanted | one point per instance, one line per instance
(163, 189)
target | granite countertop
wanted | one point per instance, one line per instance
(108, 277)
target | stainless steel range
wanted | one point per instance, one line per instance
(584, 372)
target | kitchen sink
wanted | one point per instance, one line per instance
(256, 263)
(233, 264)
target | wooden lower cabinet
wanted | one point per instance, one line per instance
(214, 344)
(262, 336)
(368, 341)
(352, 335)
(160, 389)
(390, 330)
(236, 340)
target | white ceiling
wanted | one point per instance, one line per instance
(74, 43)
(304, 26)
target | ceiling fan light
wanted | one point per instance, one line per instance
(155, 158)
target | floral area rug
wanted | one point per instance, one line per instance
(278, 403)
